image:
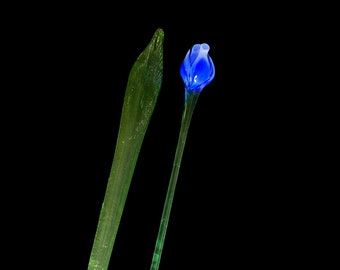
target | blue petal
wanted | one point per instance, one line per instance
(194, 52)
(202, 72)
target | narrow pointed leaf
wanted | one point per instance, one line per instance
(143, 87)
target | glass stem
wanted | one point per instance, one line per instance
(191, 98)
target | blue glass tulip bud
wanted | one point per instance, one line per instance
(197, 69)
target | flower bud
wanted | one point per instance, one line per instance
(197, 69)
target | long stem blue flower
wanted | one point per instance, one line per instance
(197, 71)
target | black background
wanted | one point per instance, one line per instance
(238, 201)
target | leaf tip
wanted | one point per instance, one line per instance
(158, 37)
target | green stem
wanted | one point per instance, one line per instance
(190, 103)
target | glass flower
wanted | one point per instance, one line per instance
(197, 69)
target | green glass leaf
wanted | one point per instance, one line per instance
(143, 87)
